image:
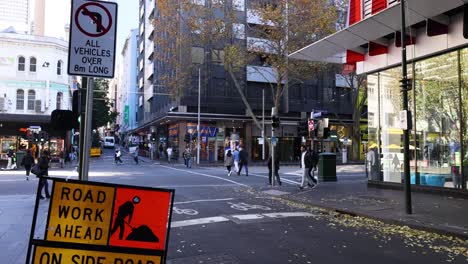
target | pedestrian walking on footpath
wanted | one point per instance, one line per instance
(236, 160)
(135, 155)
(27, 162)
(314, 161)
(243, 161)
(306, 164)
(117, 156)
(169, 154)
(229, 161)
(188, 157)
(277, 167)
(43, 164)
(10, 156)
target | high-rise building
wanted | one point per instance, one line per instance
(15, 14)
(224, 118)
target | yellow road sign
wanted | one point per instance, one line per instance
(80, 213)
(49, 255)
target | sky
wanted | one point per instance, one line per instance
(58, 12)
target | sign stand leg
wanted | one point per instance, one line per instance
(87, 133)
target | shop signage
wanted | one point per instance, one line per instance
(311, 125)
(91, 222)
(93, 27)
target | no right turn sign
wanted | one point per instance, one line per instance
(93, 26)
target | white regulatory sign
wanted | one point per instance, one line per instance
(93, 26)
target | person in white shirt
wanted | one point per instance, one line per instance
(169, 154)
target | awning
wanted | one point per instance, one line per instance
(334, 47)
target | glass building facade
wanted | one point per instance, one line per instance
(439, 106)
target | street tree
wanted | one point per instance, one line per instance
(285, 26)
(102, 114)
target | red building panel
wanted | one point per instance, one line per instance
(378, 5)
(355, 12)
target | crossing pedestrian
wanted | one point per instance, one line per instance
(117, 156)
(43, 163)
(135, 155)
(243, 161)
(277, 167)
(236, 160)
(229, 161)
(27, 162)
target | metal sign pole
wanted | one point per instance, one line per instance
(87, 133)
(406, 163)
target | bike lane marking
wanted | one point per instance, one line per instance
(207, 175)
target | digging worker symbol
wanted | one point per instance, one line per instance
(125, 210)
(141, 233)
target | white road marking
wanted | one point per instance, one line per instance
(246, 207)
(219, 219)
(199, 221)
(206, 175)
(208, 200)
(282, 179)
(185, 211)
(288, 214)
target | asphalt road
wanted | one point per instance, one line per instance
(239, 219)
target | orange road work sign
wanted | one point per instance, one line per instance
(90, 221)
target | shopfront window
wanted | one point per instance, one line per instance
(391, 138)
(372, 148)
(438, 120)
(464, 91)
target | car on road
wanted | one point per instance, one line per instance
(109, 142)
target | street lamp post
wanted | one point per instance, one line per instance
(198, 123)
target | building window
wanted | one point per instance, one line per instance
(59, 101)
(31, 99)
(218, 56)
(32, 64)
(239, 30)
(198, 55)
(238, 5)
(21, 63)
(59, 67)
(19, 99)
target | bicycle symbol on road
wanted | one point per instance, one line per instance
(246, 207)
(184, 211)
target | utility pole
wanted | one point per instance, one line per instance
(198, 124)
(263, 123)
(405, 87)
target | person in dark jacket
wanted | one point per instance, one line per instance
(44, 166)
(27, 162)
(312, 160)
(243, 161)
(229, 161)
(277, 167)
(307, 164)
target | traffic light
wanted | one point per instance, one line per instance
(302, 128)
(275, 121)
(153, 137)
(64, 120)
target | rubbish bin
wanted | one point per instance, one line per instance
(19, 157)
(327, 167)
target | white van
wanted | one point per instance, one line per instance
(109, 142)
